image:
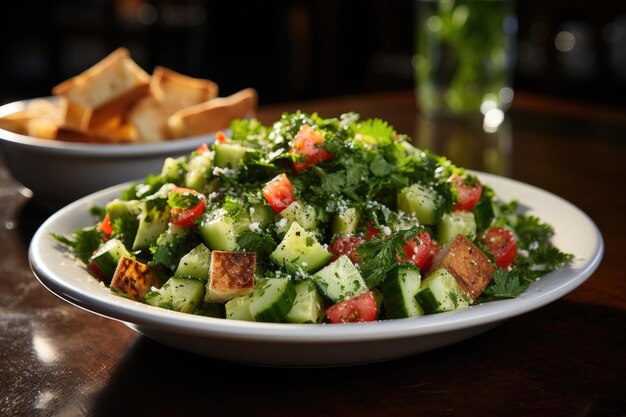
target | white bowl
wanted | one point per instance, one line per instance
(317, 345)
(60, 172)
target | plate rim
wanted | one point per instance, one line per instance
(124, 310)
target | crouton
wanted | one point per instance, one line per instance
(176, 91)
(467, 263)
(213, 115)
(134, 278)
(232, 275)
(103, 91)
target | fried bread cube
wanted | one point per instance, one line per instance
(134, 278)
(103, 91)
(213, 115)
(232, 275)
(467, 263)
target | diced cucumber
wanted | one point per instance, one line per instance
(300, 250)
(108, 255)
(340, 280)
(308, 306)
(345, 222)
(261, 214)
(272, 300)
(125, 209)
(229, 155)
(301, 213)
(399, 291)
(196, 264)
(423, 201)
(174, 169)
(153, 221)
(220, 231)
(178, 293)
(440, 292)
(238, 308)
(199, 170)
(456, 223)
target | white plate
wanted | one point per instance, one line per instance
(277, 344)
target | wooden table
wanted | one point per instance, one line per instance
(565, 359)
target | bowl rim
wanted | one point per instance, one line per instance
(87, 149)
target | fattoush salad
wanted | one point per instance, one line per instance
(313, 220)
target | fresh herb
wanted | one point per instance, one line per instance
(83, 242)
(505, 284)
(380, 255)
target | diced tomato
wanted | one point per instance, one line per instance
(346, 245)
(279, 193)
(355, 309)
(417, 250)
(502, 245)
(186, 216)
(307, 143)
(371, 232)
(220, 137)
(105, 226)
(202, 148)
(435, 248)
(469, 192)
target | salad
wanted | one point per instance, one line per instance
(313, 220)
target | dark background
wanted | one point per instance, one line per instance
(301, 49)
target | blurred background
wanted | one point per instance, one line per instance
(301, 49)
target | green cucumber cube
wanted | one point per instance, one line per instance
(440, 292)
(178, 293)
(195, 264)
(340, 280)
(308, 306)
(399, 290)
(456, 223)
(423, 201)
(300, 250)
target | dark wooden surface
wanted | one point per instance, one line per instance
(565, 359)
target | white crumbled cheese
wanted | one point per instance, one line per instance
(387, 230)
(533, 245)
(276, 153)
(523, 253)
(538, 267)
(305, 264)
(213, 195)
(252, 211)
(227, 172)
(281, 224)
(255, 227)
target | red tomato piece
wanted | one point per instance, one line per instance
(469, 193)
(417, 250)
(220, 137)
(371, 232)
(355, 309)
(435, 248)
(105, 226)
(279, 193)
(346, 245)
(186, 216)
(307, 143)
(502, 245)
(202, 148)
